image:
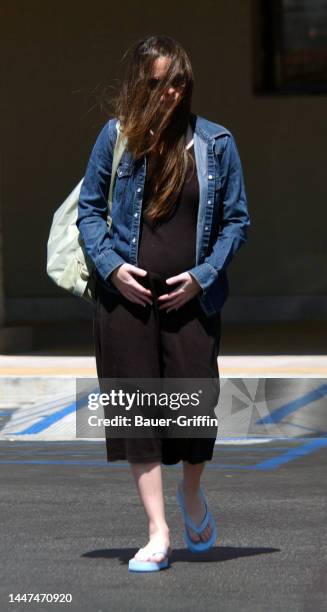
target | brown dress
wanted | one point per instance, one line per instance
(134, 341)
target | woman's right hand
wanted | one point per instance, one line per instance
(123, 279)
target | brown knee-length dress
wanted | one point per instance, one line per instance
(134, 341)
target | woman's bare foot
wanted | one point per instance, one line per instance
(195, 508)
(158, 540)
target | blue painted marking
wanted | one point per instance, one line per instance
(269, 464)
(54, 462)
(93, 452)
(277, 415)
(60, 452)
(48, 419)
(290, 455)
(269, 438)
(4, 413)
(37, 443)
(106, 463)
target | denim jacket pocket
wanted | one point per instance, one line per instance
(124, 172)
(124, 169)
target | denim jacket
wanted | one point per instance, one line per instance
(222, 220)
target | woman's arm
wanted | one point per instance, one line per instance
(93, 204)
(234, 219)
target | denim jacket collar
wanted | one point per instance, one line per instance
(206, 129)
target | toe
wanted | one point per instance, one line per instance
(206, 533)
(145, 554)
(193, 535)
(156, 557)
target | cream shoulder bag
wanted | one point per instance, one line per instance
(68, 263)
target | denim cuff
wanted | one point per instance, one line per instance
(107, 262)
(204, 274)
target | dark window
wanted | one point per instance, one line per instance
(290, 46)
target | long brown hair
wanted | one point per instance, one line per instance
(138, 108)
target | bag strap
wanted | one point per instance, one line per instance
(118, 152)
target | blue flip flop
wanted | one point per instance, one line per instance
(208, 519)
(137, 565)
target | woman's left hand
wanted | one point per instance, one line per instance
(188, 289)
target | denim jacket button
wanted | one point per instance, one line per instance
(134, 239)
(210, 176)
(139, 189)
(206, 227)
(135, 214)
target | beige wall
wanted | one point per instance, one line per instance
(56, 57)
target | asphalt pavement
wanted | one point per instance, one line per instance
(70, 522)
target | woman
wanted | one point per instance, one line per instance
(179, 214)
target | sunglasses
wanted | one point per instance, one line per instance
(178, 82)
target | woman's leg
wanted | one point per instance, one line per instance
(148, 478)
(191, 344)
(126, 347)
(193, 503)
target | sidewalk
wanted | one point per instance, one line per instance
(268, 366)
